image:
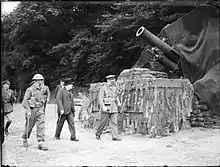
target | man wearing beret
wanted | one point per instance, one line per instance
(8, 98)
(65, 102)
(109, 108)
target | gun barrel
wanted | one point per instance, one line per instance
(153, 40)
(168, 63)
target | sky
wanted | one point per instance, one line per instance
(7, 7)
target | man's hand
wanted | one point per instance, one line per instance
(61, 112)
(47, 100)
(28, 114)
(104, 109)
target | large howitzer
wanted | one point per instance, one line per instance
(162, 52)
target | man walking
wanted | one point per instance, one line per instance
(8, 99)
(65, 104)
(108, 101)
(33, 103)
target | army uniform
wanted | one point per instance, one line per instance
(108, 99)
(46, 93)
(33, 102)
(8, 98)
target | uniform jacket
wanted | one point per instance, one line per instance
(108, 98)
(65, 101)
(8, 98)
(33, 98)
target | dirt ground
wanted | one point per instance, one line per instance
(197, 146)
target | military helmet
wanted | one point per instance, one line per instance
(38, 77)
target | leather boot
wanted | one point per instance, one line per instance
(42, 146)
(25, 143)
(6, 128)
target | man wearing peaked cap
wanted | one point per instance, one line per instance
(109, 103)
(110, 77)
(8, 98)
(65, 102)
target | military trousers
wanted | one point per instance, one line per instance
(70, 120)
(113, 119)
(37, 117)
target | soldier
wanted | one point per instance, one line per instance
(108, 101)
(8, 98)
(65, 104)
(33, 103)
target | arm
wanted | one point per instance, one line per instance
(25, 100)
(117, 96)
(101, 96)
(56, 90)
(48, 94)
(13, 97)
(72, 104)
(59, 99)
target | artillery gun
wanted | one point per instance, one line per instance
(161, 51)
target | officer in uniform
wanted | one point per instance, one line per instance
(8, 98)
(33, 103)
(109, 108)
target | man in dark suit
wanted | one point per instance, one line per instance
(65, 104)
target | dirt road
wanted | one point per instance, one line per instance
(196, 146)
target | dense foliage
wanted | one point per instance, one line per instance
(82, 41)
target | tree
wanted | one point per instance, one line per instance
(83, 41)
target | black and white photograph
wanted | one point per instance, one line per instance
(110, 83)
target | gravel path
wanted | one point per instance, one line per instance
(197, 146)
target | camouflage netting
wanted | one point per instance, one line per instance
(164, 103)
(149, 104)
(139, 73)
